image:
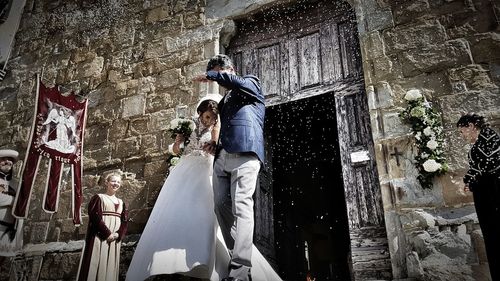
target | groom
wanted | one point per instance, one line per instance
(238, 158)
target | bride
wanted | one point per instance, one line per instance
(181, 235)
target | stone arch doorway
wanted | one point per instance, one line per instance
(302, 52)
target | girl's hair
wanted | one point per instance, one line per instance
(108, 177)
(208, 105)
(474, 119)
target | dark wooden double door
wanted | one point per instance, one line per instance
(319, 144)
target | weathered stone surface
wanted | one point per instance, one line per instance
(139, 126)
(157, 14)
(409, 10)
(169, 78)
(67, 262)
(414, 266)
(133, 106)
(39, 232)
(472, 77)
(415, 36)
(127, 147)
(453, 53)
(484, 46)
(480, 102)
(453, 190)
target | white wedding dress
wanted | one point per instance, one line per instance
(182, 235)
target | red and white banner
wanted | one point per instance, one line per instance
(57, 134)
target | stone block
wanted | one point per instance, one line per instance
(383, 68)
(414, 36)
(169, 78)
(414, 266)
(150, 67)
(478, 242)
(38, 232)
(135, 165)
(159, 101)
(63, 266)
(154, 49)
(132, 106)
(453, 190)
(158, 167)
(409, 193)
(372, 45)
(139, 126)
(102, 113)
(138, 219)
(90, 68)
(27, 268)
(485, 46)
(480, 102)
(150, 144)
(118, 129)
(393, 126)
(160, 121)
(157, 14)
(453, 53)
(193, 20)
(432, 85)
(385, 96)
(379, 20)
(407, 11)
(96, 134)
(126, 147)
(473, 77)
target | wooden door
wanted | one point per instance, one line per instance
(313, 49)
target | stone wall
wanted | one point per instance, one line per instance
(134, 60)
(446, 50)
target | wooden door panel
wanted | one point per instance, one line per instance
(309, 60)
(330, 53)
(269, 58)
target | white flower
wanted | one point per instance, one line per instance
(413, 94)
(428, 131)
(174, 161)
(424, 155)
(418, 135)
(174, 123)
(417, 112)
(431, 166)
(192, 126)
(432, 144)
(429, 121)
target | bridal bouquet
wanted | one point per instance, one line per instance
(182, 126)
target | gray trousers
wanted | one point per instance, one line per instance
(234, 182)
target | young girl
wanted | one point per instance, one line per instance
(181, 234)
(107, 226)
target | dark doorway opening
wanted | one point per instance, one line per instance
(310, 218)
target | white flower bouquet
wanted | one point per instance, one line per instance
(181, 126)
(184, 127)
(427, 129)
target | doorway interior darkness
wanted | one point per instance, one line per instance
(311, 229)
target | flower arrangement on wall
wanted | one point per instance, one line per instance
(427, 129)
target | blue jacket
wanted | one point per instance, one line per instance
(242, 112)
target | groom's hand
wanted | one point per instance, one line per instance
(201, 78)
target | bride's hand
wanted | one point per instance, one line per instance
(209, 147)
(179, 138)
